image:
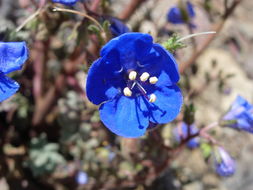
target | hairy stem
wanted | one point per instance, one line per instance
(81, 14)
(30, 18)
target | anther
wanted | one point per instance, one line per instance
(132, 75)
(127, 91)
(144, 76)
(153, 80)
(152, 98)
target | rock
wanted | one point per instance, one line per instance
(192, 163)
(210, 180)
(193, 186)
(244, 169)
(211, 100)
(3, 184)
(149, 27)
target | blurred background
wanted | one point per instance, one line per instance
(51, 136)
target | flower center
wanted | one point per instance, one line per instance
(136, 81)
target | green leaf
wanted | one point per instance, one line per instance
(206, 150)
(173, 43)
(106, 24)
(189, 114)
(41, 160)
(51, 147)
(94, 29)
(43, 156)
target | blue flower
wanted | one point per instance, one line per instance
(241, 115)
(65, 2)
(117, 27)
(12, 57)
(82, 178)
(135, 83)
(225, 165)
(176, 14)
(181, 133)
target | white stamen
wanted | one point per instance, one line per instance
(133, 85)
(132, 75)
(153, 80)
(127, 92)
(144, 76)
(152, 98)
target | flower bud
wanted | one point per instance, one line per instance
(224, 164)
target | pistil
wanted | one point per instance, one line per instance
(142, 90)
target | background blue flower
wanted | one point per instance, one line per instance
(181, 133)
(65, 2)
(225, 165)
(176, 16)
(82, 178)
(12, 57)
(135, 81)
(117, 27)
(242, 113)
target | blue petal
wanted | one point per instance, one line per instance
(12, 56)
(82, 178)
(163, 65)
(117, 27)
(225, 165)
(167, 105)
(174, 16)
(125, 116)
(8, 87)
(190, 9)
(193, 143)
(224, 170)
(102, 82)
(65, 2)
(241, 111)
(131, 47)
(245, 122)
(182, 133)
(240, 101)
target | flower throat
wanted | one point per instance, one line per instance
(135, 81)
